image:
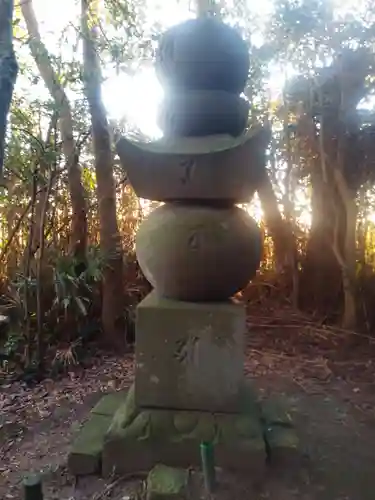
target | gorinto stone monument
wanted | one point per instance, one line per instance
(198, 249)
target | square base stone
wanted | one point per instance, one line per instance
(139, 439)
(121, 457)
(123, 438)
(189, 355)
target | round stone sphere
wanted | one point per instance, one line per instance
(203, 54)
(198, 253)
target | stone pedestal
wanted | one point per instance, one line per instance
(189, 355)
(119, 437)
(138, 438)
(197, 250)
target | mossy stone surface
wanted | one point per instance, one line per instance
(85, 456)
(167, 483)
(136, 439)
(126, 412)
(281, 439)
(275, 412)
(185, 421)
(109, 403)
(173, 437)
(136, 424)
(282, 444)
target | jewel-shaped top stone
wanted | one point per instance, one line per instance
(206, 154)
(202, 54)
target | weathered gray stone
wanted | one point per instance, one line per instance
(275, 412)
(109, 403)
(139, 439)
(85, 456)
(212, 168)
(282, 445)
(189, 355)
(280, 436)
(132, 439)
(168, 483)
(196, 253)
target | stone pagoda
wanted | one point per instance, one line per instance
(197, 249)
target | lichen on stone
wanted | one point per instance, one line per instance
(176, 426)
(167, 483)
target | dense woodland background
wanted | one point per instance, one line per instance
(68, 215)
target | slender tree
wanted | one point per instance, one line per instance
(113, 319)
(55, 88)
(8, 69)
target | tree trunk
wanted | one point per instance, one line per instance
(11, 218)
(113, 314)
(320, 281)
(349, 316)
(362, 229)
(346, 252)
(280, 232)
(42, 198)
(42, 203)
(290, 186)
(8, 69)
(77, 191)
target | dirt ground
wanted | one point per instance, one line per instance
(330, 392)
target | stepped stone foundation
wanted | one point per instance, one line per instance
(197, 250)
(120, 437)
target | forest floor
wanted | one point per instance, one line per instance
(326, 376)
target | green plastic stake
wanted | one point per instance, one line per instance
(208, 466)
(32, 487)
